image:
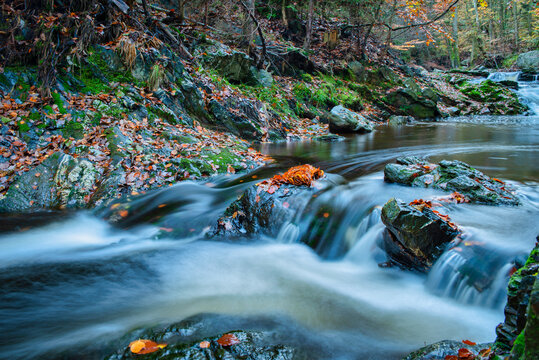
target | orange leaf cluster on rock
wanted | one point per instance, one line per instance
(228, 340)
(297, 175)
(142, 346)
(419, 204)
(465, 354)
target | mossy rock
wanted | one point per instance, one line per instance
(73, 129)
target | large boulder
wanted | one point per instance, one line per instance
(419, 104)
(450, 176)
(518, 333)
(497, 99)
(61, 181)
(343, 120)
(416, 234)
(245, 118)
(529, 61)
(236, 67)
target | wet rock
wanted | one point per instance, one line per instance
(444, 348)
(342, 120)
(531, 331)
(61, 181)
(528, 61)
(183, 344)
(519, 314)
(416, 236)
(261, 212)
(450, 176)
(509, 83)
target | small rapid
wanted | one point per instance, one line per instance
(528, 87)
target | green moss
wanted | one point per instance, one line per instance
(96, 74)
(58, 101)
(510, 61)
(23, 126)
(518, 347)
(73, 129)
(302, 92)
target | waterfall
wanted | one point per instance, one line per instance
(528, 87)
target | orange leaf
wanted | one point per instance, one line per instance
(451, 357)
(468, 342)
(228, 340)
(38, 174)
(123, 213)
(484, 352)
(204, 344)
(465, 354)
(142, 346)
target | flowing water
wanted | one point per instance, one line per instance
(73, 284)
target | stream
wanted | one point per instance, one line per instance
(73, 285)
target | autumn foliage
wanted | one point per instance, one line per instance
(297, 175)
(466, 354)
(228, 340)
(142, 346)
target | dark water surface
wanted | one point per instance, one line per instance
(77, 284)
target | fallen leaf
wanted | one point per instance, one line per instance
(468, 342)
(204, 344)
(123, 213)
(142, 346)
(228, 340)
(484, 352)
(451, 357)
(465, 354)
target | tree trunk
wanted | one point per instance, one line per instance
(181, 10)
(516, 25)
(389, 29)
(476, 39)
(307, 43)
(248, 26)
(455, 58)
(284, 5)
(375, 20)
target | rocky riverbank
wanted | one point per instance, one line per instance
(117, 125)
